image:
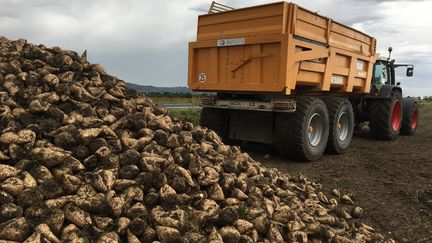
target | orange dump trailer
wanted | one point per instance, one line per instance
(281, 48)
(287, 76)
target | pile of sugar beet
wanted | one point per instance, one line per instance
(85, 159)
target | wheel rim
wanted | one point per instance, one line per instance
(343, 126)
(315, 129)
(414, 119)
(396, 116)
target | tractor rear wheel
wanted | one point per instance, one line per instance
(385, 117)
(215, 119)
(410, 117)
(303, 134)
(341, 117)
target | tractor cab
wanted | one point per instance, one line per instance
(384, 72)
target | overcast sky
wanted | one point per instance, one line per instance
(145, 42)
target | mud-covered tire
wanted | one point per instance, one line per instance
(215, 119)
(384, 122)
(292, 130)
(341, 124)
(410, 117)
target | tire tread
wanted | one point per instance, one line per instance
(333, 105)
(380, 117)
(289, 129)
(408, 106)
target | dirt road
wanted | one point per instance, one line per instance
(392, 181)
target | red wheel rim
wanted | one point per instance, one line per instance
(414, 119)
(396, 116)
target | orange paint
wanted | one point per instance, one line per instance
(279, 48)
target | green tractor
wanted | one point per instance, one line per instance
(389, 114)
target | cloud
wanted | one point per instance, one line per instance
(145, 41)
(404, 26)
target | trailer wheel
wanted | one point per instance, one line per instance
(341, 117)
(215, 119)
(385, 117)
(303, 134)
(410, 117)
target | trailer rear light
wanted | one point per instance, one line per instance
(284, 105)
(208, 101)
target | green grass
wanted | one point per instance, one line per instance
(178, 100)
(186, 114)
(426, 107)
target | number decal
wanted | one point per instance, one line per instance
(202, 77)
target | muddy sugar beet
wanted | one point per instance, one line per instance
(85, 159)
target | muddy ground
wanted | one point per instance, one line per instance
(392, 181)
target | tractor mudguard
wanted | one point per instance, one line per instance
(385, 92)
(409, 101)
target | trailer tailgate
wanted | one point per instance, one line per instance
(242, 63)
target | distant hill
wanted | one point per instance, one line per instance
(154, 89)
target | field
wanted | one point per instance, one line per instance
(186, 114)
(392, 181)
(177, 100)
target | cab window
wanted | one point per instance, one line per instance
(380, 74)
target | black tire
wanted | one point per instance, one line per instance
(292, 130)
(215, 119)
(341, 124)
(380, 117)
(410, 117)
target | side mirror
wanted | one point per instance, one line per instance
(410, 71)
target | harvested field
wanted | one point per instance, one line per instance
(392, 181)
(85, 159)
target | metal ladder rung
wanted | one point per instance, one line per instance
(218, 8)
